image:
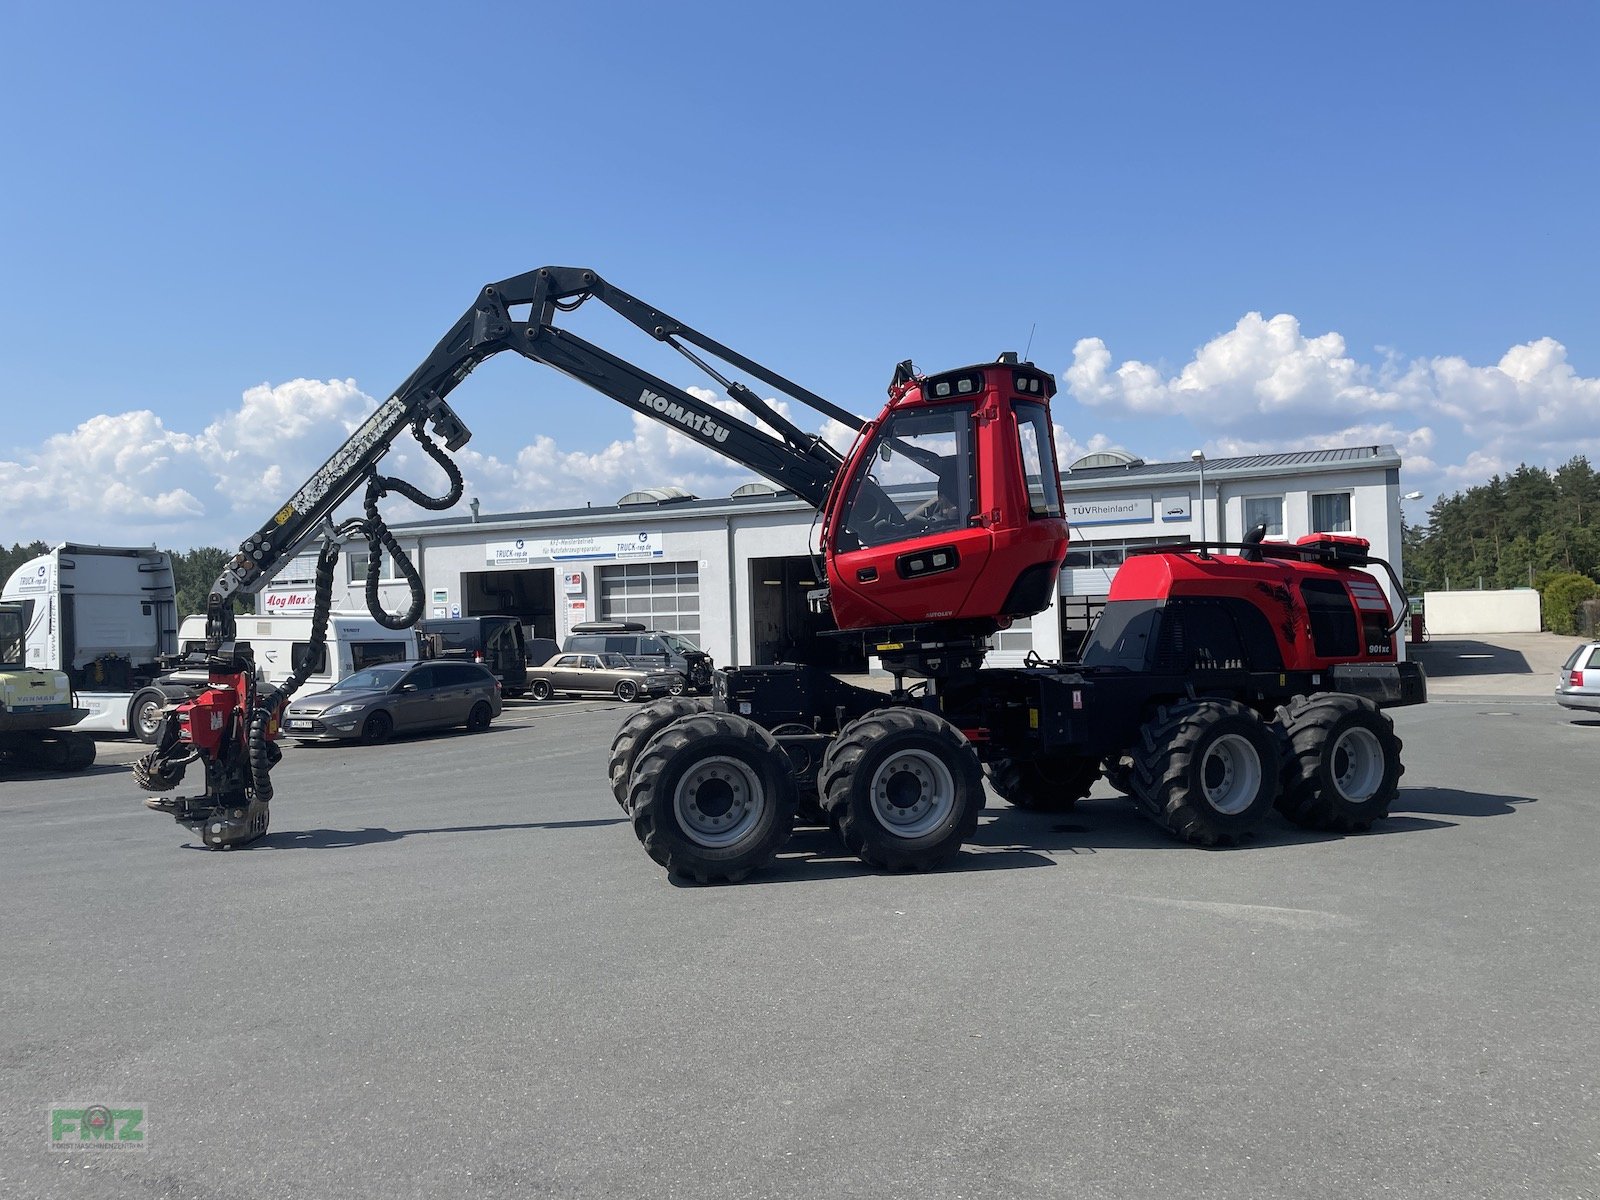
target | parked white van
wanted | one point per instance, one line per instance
(279, 643)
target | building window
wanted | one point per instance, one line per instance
(1018, 638)
(658, 595)
(1267, 510)
(356, 564)
(1330, 512)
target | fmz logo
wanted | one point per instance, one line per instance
(98, 1127)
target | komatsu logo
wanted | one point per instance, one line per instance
(673, 411)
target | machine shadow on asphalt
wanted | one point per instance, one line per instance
(1009, 839)
(345, 839)
(1450, 802)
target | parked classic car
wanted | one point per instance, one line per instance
(396, 698)
(600, 674)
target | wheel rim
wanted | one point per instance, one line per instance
(149, 718)
(1230, 774)
(718, 800)
(626, 691)
(912, 793)
(1357, 764)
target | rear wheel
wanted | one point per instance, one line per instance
(636, 733)
(1342, 766)
(379, 727)
(540, 689)
(145, 717)
(1050, 783)
(712, 798)
(903, 788)
(1207, 770)
(480, 716)
(80, 751)
(627, 690)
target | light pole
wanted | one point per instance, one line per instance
(1199, 457)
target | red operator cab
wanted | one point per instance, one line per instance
(949, 506)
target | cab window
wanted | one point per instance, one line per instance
(917, 477)
(1038, 460)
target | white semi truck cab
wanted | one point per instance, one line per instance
(104, 615)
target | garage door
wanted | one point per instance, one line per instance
(657, 595)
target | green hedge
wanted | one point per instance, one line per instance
(1561, 597)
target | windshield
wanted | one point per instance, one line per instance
(615, 661)
(378, 679)
(917, 477)
(679, 643)
(10, 637)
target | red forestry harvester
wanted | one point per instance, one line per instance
(1216, 686)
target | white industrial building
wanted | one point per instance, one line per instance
(733, 573)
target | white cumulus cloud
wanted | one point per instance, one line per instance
(1267, 385)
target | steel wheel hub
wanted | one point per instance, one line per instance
(913, 792)
(1230, 774)
(1357, 761)
(718, 800)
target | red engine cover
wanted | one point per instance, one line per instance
(1278, 588)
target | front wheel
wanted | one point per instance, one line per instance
(677, 686)
(712, 798)
(903, 788)
(379, 727)
(1342, 766)
(627, 691)
(540, 689)
(146, 717)
(1207, 770)
(636, 733)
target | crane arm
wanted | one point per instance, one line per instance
(790, 457)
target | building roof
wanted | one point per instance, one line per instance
(1072, 479)
(1348, 456)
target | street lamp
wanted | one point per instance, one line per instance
(1199, 458)
(1412, 496)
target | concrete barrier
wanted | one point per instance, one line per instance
(1512, 611)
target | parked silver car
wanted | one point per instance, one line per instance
(1578, 683)
(600, 674)
(396, 698)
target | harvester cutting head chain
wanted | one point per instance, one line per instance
(232, 726)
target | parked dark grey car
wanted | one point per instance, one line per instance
(396, 698)
(653, 649)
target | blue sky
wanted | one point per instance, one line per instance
(225, 232)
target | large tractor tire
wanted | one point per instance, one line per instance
(1207, 770)
(712, 798)
(903, 788)
(1051, 783)
(636, 733)
(1342, 767)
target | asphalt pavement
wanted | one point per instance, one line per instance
(451, 971)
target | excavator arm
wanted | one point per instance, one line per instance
(793, 459)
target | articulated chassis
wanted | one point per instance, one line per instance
(896, 772)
